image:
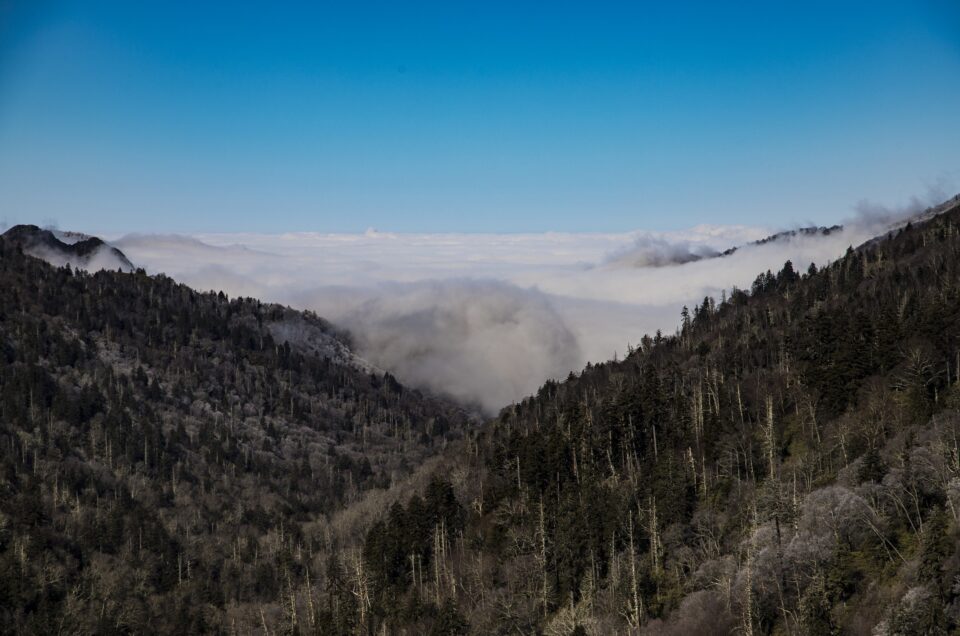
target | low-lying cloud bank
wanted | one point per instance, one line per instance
(488, 318)
(476, 340)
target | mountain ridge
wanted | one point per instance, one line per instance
(158, 442)
(83, 251)
(745, 475)
(784, 463)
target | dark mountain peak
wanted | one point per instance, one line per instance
(61, 248)
(27, 233)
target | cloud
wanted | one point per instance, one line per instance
(649, 251)
(487, 318)
(101, 258)
(482, 342)
(872, 214)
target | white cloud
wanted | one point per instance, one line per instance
(100, 258)
(487, 318)
(484, 342)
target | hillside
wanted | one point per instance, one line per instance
(787, 463)
(166, 455)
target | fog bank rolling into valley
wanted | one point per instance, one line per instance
(487, 318)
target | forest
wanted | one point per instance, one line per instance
(786, 462)
(165, 463)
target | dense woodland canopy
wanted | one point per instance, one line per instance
(788, 462)
(162, 457)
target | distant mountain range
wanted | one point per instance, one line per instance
(789, 234)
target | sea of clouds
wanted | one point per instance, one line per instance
(487, 318)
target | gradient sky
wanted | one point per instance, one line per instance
(471, 116)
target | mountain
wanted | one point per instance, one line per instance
(62, 248)
(652, 252)
(171, 461)
(785, 463)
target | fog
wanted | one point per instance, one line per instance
(480, 341)
(657, 252)
(101, 258)
(487, 318)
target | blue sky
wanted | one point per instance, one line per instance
(471, 116)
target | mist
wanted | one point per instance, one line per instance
(649, 251)
(487, 318)
(482, 342)
(101, 258)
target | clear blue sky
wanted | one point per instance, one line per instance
(470, 116)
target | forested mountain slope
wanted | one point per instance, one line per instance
(787, 463)
(166, 455)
